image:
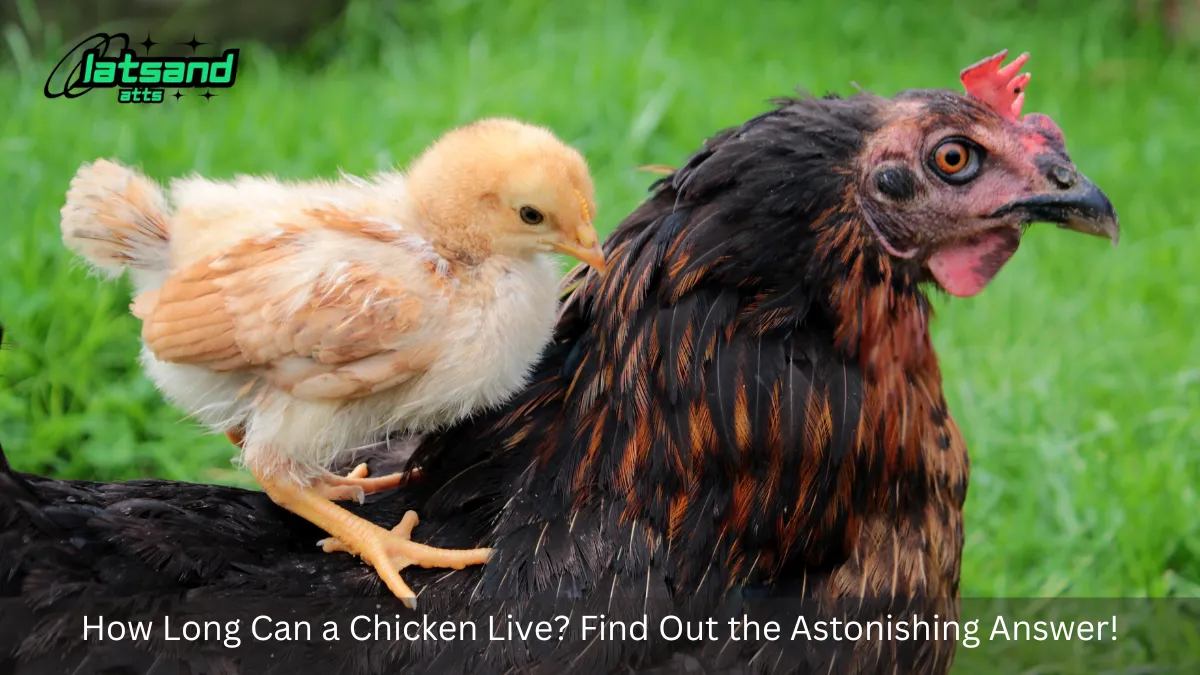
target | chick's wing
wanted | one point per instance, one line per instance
(340, 309)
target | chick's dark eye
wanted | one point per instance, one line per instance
(955, 161)
(531, 215)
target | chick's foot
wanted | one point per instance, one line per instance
(356, 486)
(388, 551)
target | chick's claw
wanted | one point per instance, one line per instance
(390, 551)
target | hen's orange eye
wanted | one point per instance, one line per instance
(952, 157)
(956, 161)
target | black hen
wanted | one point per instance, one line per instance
(743, 417)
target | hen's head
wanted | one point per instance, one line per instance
(866, 193)
(948, 182)
(500, 186)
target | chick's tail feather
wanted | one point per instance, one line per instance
(116, 218)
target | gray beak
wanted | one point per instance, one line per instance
(1082, 207)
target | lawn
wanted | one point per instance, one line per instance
(1075, 377)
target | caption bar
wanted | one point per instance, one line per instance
(367, 627)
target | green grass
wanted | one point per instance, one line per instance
(1075, 377)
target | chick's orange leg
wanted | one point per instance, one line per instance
(388, 551)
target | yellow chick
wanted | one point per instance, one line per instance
(306, 318)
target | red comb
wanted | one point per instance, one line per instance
(1000, 88)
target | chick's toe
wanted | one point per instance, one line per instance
(356, 485)
(390, 551)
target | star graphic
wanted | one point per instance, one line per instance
(148, 43)
(193, 43)
(177, 95)
(208, 95)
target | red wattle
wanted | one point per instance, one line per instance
(965, 268)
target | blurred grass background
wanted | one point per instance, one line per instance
(1075, 377)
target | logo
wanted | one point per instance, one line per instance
(138, 79)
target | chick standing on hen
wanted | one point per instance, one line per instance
(305, 318)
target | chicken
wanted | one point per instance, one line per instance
(743, 417)
(308, 319)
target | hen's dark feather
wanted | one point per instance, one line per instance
(743, 416)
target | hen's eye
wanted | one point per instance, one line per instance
(956, 161)
(531, 215)
(952, 158)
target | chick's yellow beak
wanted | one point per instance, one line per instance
(585, 248)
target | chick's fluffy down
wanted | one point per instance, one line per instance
(312, 316)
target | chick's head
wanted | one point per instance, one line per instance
(503, 187)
